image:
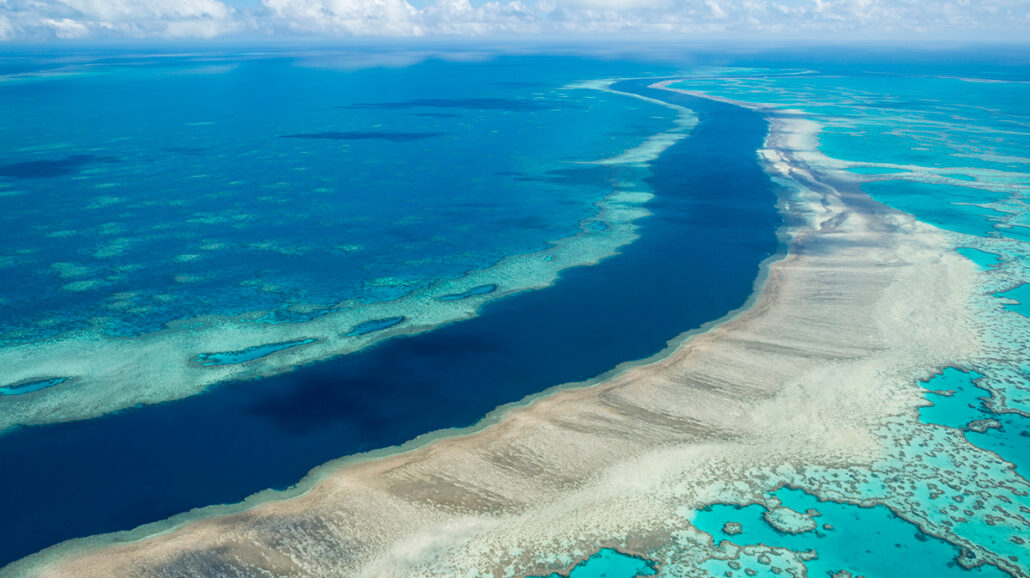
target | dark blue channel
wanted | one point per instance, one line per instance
(714, 222)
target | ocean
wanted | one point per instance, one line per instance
(221, 270)
(696, 259)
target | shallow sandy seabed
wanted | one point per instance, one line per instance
(813, 385)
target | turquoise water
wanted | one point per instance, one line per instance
(942, 205)
(964, 408)
(875, 171)
(608, 563)
(982, 258)
(952, 153)
(1021, 295)
(972, 132)
(958, 400)
(870, 542)
(959, 176)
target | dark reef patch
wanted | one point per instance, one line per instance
(375, 325)
(586, 175)
(248, 354)
(477, 290)
(69, 165)
(31, 385)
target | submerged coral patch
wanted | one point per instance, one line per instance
(373, 325)
(473, 292)
(69, 165)
(31, 385)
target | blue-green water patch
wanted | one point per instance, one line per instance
(1019, 233)
(876, 170)
(31, 386)
(982, 258)
(938, 204)
(1006, 434)
(610, 563)
(960, 403)
(868, 541)
(1009, 437)
(373, 325)
(473, 292)
(248, 354)
(959, 177)
(1020, 294)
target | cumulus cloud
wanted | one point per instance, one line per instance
(6, 30)
(350, 17)
(75, 19)
(461, 17)
(34, 19)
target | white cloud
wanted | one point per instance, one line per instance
(461, 17)
(6, 30)
(66, 28)
(826, 19)
(75, 19)
(350, 17)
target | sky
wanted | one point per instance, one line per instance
(818, 20)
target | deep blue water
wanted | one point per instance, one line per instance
(714, 222)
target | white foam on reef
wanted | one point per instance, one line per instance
(115, 373)
(814, 385)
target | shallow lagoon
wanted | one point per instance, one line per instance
(870, 542)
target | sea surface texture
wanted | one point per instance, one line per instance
(220, 271)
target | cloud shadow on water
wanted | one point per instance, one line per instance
(69, 165)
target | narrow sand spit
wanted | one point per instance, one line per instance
(808, 375)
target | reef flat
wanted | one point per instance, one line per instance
(813, 386)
